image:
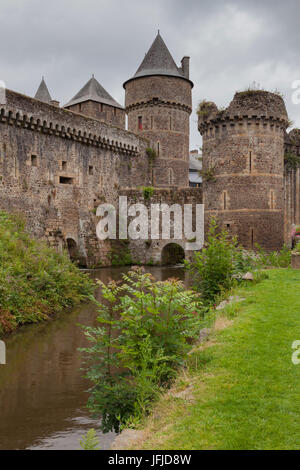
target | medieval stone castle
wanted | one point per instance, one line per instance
(57, 164)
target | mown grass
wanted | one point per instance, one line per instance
(246, 390)
(35, 280)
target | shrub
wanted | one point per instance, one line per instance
(35, 280)
(89, 441)
(213, 267)
(143, 336)
(148, 192)
(278, 259)
(291, 160)
(151, 153)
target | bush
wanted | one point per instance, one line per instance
(145, 328)
(148, 192)
(213, 268)
(277, 259)
(35, 280)
(89, 441)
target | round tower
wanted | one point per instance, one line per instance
(158, 101)
(243, 166)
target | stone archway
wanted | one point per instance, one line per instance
(172, 254)
(72, 249)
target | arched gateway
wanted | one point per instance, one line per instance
(171, 254)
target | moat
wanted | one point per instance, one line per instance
(42, 389)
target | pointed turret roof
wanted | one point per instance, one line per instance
(42, 93)
(158, 61)
(93, 91)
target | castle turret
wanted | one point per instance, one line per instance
(158, 101)
(42, 93)
(243, 166)
(94, 101)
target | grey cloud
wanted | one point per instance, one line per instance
(231, 43)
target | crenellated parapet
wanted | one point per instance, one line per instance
(257, 107)
(25, 112)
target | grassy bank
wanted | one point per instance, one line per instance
(35, 281)
(240, 389)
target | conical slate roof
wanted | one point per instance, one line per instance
(42, 93)
(158, 61)
(93, 91)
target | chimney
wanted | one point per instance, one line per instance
(54, 103)
(185, 66)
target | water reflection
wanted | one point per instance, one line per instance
(42, 391)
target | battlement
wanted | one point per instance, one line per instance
(259, 106)
(26, 112)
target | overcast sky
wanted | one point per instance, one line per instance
(231, 44)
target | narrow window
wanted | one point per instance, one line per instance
(272, 199)
(101, 107)
(79, 107)
(252, 238)
(151, 122)
(33, 160)
(115, 111)
(170, 122)
(140, 123)
(224, 201)
(158, 149)
(64, 166)
(91, 170)
(250, 162)
(65, 180)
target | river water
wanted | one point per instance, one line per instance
(42, 390)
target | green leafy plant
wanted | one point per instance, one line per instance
(89, 441)
(279, 259)
(204, 109)
(151, 153)
(291, 160)
(143, 335)
(208, 174)
(148, 192)
(214, 268)
(36, 281)
(297, 248)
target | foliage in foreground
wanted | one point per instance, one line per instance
(35, 281)
(89, 441)
(143, 336)
(246, 389)
(277, 259)
(222, 262)
(217, 266)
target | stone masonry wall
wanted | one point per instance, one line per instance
(57, 166)
(150, 251)
(292, 183)
(100, 111)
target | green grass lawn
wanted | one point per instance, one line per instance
(246, 388)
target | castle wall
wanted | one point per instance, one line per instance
(292, 183)
(163, 106)
(243, 165)
(56, 167)
(100, 111)
(150, 251)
